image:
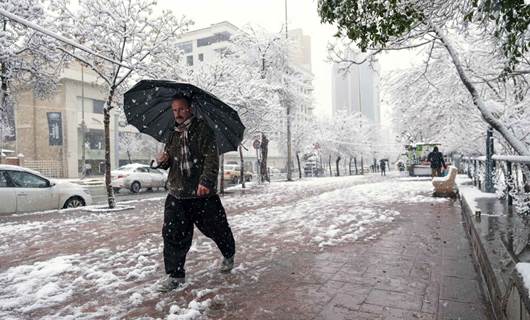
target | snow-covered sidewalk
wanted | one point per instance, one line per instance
(300, 247)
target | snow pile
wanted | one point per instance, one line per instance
(28, 287)
(472, 193)
(524, 270)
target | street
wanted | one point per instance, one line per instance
(75, 264)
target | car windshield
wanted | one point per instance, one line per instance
(126, 168)
(231, 167)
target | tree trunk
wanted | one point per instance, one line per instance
(264, 154)
(106, 122)
(298, 161)
(362, 166)
(337, 165)
(129, 156)
(355, 163)
(241, 167)
(349, 166)
(515, 143)
(329, 162)
(289, 152)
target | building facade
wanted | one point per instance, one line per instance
(49, 132)
(356, 90)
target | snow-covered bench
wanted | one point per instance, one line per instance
(445, 186)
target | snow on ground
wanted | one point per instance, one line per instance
(79, 265)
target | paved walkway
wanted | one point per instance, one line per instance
(420, 267)
(375, 265)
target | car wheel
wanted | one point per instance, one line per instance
(135, 187)
(74, 202)
(116, 190)
(248, 178)
(234, 180)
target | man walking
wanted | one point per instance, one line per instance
(437, 161)
(382, 165)
(193, 161)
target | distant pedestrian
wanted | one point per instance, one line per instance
(191, 155)
(382, 165)
(437, 161)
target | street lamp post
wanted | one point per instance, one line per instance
(288, 107)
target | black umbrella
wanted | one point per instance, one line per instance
(147, 106)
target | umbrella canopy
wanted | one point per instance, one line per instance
(147, 106)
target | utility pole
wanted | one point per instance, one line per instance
(287, 104)
(83, 124)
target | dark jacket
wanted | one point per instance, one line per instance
(436, 158)
(205, 161)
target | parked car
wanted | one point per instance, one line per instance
(136, 176)
(23, 190)
(232, 173)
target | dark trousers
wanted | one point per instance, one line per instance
(436, 172)
(180, 215)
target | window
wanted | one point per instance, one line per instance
(98, 106)
(201, 56)
(155, 171)
(189, 60)
(223, 51)
(3, 180)
(95, 139)
(218, 37)
(186, 47)
(140, 169)
(27, 180)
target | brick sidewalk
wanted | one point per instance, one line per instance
(419, 268)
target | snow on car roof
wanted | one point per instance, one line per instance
(19, 168)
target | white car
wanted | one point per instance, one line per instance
(23, 190)
(136, 176)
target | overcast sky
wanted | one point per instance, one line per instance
(271, 16)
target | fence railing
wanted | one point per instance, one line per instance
(506, 170)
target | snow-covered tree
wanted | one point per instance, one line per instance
(430, 103)
(28, 59)
(377, 26)
(287, 87)
(128, 32)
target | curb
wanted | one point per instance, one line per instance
(509, 299)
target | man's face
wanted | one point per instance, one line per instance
(181, 110)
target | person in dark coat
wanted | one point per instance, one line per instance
(382, 165)
(193, 161)
(437, 161)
